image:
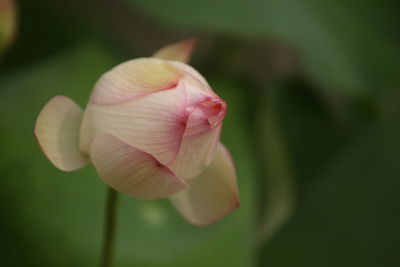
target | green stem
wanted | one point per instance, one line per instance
(109, 229)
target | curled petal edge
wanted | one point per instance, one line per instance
(57, 132)
(132, 171)
(135, 79)
(211, 195)
(196, 153)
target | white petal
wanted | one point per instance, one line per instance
(154, 124)
(189, 70)
(57, 131)
(132, 171)
(178, 51)
(211, 195)
(135, 79)
(196, 153)
(196, 85)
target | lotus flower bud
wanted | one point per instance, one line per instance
(151, 129)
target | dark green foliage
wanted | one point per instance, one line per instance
(313, 125)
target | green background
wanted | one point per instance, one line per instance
(313, 125)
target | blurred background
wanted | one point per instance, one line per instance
(313, 93)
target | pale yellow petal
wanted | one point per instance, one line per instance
(211, 195)
(57, 131)
(178, 51)
(135, 79)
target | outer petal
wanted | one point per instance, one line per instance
(196, 153)
(211, 195)
(178, 51)
(154, 124)
(57, 131)
(189, 70)
(135, 79)
(197, 86)
(132, 171)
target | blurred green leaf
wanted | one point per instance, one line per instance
(56, 218)
(345, 45)
(314, 130)
(293, 125)
(278, 181)
(351, 215)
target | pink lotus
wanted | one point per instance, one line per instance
(151, 129)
